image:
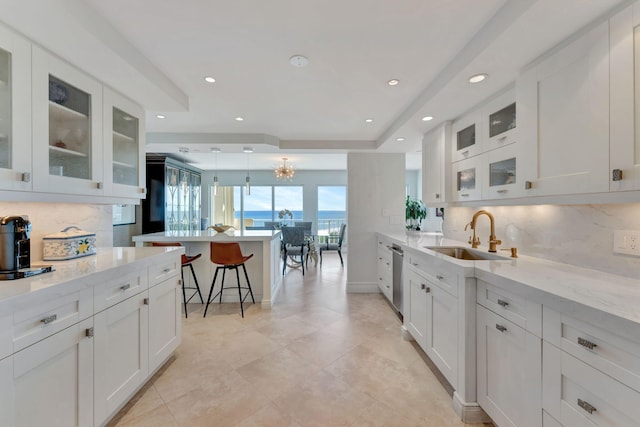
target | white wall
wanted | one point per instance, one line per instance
(580, 235)
(47, 218)
(375, 203)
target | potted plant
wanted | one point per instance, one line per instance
(415, 212)
(283, 215)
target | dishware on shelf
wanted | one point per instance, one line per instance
(57, 92)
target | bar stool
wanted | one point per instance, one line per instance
(229, 256)
(185, 262)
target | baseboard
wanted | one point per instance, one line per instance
(367, 288)
(469, 412)
(406, 335)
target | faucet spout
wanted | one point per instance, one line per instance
(493, 241)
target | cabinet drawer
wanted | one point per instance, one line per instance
(524, 313)
(45, 318)
(613, 354)
(166, 268)
(437, 271)
(119, 290)
(579, 395)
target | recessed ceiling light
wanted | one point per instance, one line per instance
(299, 61)
(239, 119)
(247, 150)
(393, 82)
(209, 79)
(477, 78)
(161, 116)
(215, 150)
(427, 118)
(368, 120)
(400, 139)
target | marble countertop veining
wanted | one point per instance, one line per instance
(72, 273)
(609, 293)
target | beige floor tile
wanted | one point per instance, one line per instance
(319, 357)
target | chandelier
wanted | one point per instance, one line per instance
(283, 171)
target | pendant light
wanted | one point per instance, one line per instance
(248, 150)
(215, 176)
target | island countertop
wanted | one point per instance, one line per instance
(208, 236)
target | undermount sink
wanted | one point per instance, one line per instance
(460, 252)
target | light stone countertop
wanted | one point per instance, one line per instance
(208, 236)
(560, 285)
(79, 273)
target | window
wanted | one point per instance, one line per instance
(257, 207)
(332, 209)
(288, 197)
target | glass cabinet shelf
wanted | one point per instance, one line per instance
(60, 151)
(124, 135)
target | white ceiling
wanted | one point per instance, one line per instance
(158, 52)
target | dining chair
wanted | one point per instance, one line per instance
(294, 244)
(186, 261)
(228, 256)
(334, 246)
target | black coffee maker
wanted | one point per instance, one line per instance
(15, 245)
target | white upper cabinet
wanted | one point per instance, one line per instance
(465, 137)
(124, 173)
(15, 111)
(563, 117)
(466, 179)
(67, 128)
(434, 163)
(500, 118)
(625, 99)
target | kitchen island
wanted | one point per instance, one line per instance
(263, 269)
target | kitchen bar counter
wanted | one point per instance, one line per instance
(559, 285)
(263, 269)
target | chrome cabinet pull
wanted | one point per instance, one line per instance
(502, 139)
(464, 195)
(146, 301)
(464, 153)
(166, 270)
(49, 319)
(439, 277)
(502, 191)
(427, 289)
(25, 177)
(503, 303)
(89, 332)
(437, 195)
(501, 328)
(586, 406)
(415, 264)
(125, 287)
(586, 343)
(423, 286)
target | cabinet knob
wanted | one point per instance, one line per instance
(528, 185)
(501, 328)
(586, 343)
(427, 289)
(616, 175)
(143, 190)
(422, 286)
(586, 406)
(99, 185)
(25, 177)
(89, 332)
(437, 195)
(146, 301)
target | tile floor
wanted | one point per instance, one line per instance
(319, 357)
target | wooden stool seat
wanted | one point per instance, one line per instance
(228, 256)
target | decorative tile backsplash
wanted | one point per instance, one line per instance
(47, 218)
(580, 235)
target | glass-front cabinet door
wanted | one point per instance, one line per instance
(196, 202)
(465, 135)
(67, 128)
(171, 196)
(123, 146)
(184, 200)
(15, 112)
(500, 116)
(466, 179)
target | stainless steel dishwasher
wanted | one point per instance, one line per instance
(397, 277)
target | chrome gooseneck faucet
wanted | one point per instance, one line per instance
(474, 241)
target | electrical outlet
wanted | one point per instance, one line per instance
(626, 242)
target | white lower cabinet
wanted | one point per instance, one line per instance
(509, 371)
(385, 269)
(50, 383)
(121, 353)
(415, 314)
(165, 322)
